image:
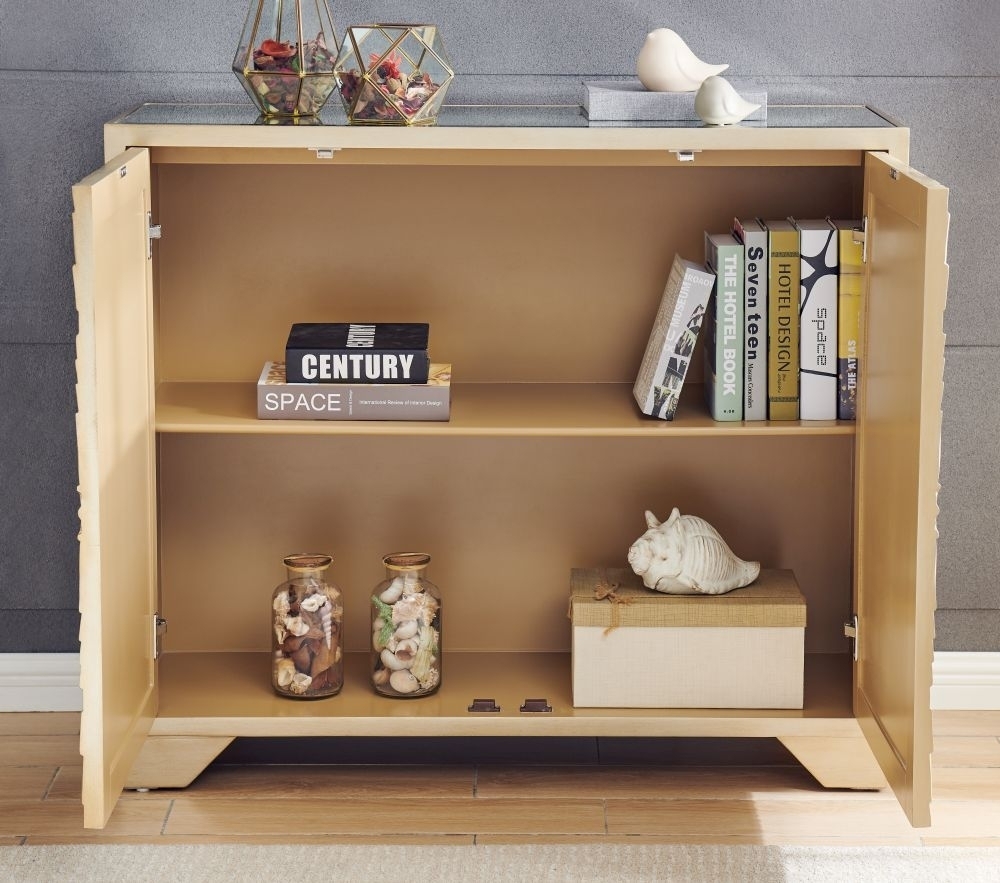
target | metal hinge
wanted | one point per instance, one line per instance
(851, 631)
(324, 152)
(153, 231)
(159, 630)
(685, 155)
(861, 237)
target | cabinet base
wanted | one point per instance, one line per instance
(174, 761)
(837, 761)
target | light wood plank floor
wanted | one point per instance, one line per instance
(477, 803)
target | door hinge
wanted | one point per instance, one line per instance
(153, 231)
(324, 152)
(852, 631)
(861, 238)
(159, 630)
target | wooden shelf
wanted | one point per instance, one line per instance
(489, 409)
(229, 694)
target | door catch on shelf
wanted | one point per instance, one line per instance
(484, 705)
(535, 705)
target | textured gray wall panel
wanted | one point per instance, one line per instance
(525, 36)
(968, 630)
(52, 135)
(50, 139)
(38, 518)
(40, 631)
(969, 553)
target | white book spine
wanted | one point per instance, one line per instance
(754, 237)
(818, 321)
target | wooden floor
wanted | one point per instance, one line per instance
(474, 803)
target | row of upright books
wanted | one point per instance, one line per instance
(355, 371)
(781, 305)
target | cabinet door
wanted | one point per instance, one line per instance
(115, 440)
(898, 453)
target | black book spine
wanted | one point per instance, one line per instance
(351, 366)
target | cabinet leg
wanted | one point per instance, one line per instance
(174, 761)
(838, 761)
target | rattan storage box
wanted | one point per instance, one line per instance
(646, 649)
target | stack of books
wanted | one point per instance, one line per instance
(355, 371)
(782, 314)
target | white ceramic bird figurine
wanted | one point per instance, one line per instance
(666, 64)
(719, 104)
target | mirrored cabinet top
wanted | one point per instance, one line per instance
(527, 116)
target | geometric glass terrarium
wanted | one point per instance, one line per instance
(286, 56)
(393, 74)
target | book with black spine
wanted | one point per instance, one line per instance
(357, 352)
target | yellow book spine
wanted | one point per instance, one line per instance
(850, 287)
(783, 323)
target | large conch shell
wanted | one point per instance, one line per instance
(685, 555)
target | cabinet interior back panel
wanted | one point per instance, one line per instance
(503, 519)
(524, 273)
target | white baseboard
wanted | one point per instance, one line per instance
(40, 682)
(966, 679)
(51, 681)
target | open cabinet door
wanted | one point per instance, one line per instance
(116, 446)
(898, 450)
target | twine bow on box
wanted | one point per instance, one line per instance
(605, 591)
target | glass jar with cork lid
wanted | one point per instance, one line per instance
(406, 629)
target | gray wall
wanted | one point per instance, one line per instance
(66, 68)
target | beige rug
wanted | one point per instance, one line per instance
(472, 864)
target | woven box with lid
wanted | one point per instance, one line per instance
(636, 648)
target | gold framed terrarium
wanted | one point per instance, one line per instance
(393, 74)
(286, 56)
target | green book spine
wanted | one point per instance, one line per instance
(724, 256)
(783, 321)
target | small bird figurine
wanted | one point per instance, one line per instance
(666, 64)
(719, 104)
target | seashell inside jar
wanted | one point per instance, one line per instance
(406, 629)
(306, 619)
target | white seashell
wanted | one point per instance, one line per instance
(403, 682)
(313, 602)
(406, 630)
(296, 625)
(685, 555)
(409, 607)
(326, 619)
(392, 592)
(406, 650)
(280, 633)
(281, 605)
(380, 677)
(431, 679)
(667, 64)
(284, 671)
(390, 661)
(719, 104)
(300, 683)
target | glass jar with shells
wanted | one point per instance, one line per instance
(306, 619)
(406, 628)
